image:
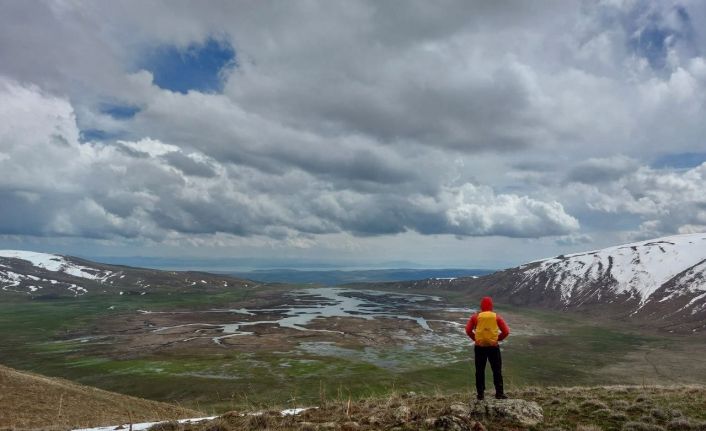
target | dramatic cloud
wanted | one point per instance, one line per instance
(664, 202)
(148, 188)
(598, 170)
(330, 124)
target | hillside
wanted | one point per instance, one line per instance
(661, 282)
(30, 400)
(42, 275)
(620, 408)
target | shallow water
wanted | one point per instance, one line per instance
(303, 307)
(325, 302)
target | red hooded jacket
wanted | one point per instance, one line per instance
(486, 304)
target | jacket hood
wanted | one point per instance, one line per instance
(486, 304)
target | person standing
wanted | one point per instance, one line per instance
(486, 328)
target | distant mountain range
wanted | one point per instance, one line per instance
(339, 277)
(50, 275)
(42, 274)
(662, 281)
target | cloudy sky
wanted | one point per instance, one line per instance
(474, 134)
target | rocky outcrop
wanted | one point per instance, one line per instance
(525, 413)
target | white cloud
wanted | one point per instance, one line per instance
(478, 211)
(139, 189)
(354, 118)
(574, 239)
(665, 201)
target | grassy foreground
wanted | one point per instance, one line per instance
(623, 408)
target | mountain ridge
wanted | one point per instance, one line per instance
(45, 275)
(662, 280)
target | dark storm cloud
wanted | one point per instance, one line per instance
(602, 170)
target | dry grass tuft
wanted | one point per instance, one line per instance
(636, 408)
(593, 404)
(166, 426)
(641, 426)
(620, 404)
(572, 408)
(618, 417)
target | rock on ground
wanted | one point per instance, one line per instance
(526, 413)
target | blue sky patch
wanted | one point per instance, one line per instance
(651, 43)
(679, 160)
(96, 135)
(651, 39)
(120, 112)
(197, 67)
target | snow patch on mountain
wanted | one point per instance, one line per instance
(638, 269)
(56, 263)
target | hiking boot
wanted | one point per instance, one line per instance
(500, 396)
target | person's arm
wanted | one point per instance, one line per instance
(504, 329)
(470, 326)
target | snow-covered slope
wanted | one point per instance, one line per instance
(638, 269)
(56, 263)
(41, 274)
(34, 272)
(659, 282)
(662, 281)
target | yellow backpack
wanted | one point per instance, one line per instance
(487, 329)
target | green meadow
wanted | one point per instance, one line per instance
(556, 349)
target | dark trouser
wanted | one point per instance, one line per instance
(492, 355)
